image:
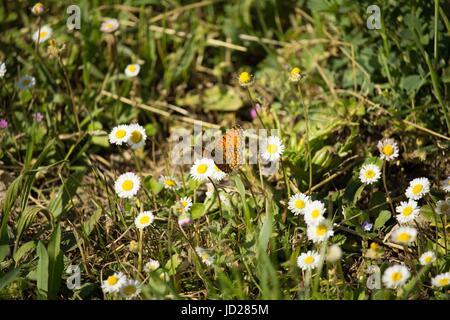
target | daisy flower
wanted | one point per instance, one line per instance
(109, 26)
(144, 219)
(185, 204)
(119, 135)
(295, 75)
(218, 174)
(206, 258)
(130, 289)
(202, 169)
(441, 280)
(43, 34)
(2, 69)
(297, 203)
(127, 185)
(132, 70)
(113, 282)
(37, 9)
(26, 82)
(445, 184)
(369, 173)
(443, 207)
(272, 148)
(418, 188)
(404, 235)
(151, 265)
(245, 79)
(396, 276)
(169, 182)
(308, 260)
(137, 136)
(427, 258)
(388, 149)
(319, 232)
(407, 211)
(314, 211)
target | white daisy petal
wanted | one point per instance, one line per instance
(202, 169)
(2, 69)
(407, 211)
(137, 136)
(119, 135)
(127, 185)
(130, 289)
(109, 25)
(308, 260)
(445, 184)
(404, 235)
(441, 280)
(113, 283)
(395, 276)
(418, 188)
(319, 232)
(298, 202)
(132, 70)
(314, 212)
(272, 148)
(388, 149)
(26, 82)
(369, 173)
(144, 219)
(43, 34)
(427, 258)
(443, 207)
(169, 182)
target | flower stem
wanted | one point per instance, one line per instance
(388, 197)
(308, 150)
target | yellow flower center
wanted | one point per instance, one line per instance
(448, 182)
(299, 204)
(202, 168)
(417, 188)
(315, 213)
(144, 219)
(403, 237)
(369, 174)
(444, 281)
(127, 185)
(43, 34)
(184, 203)
(132, 68)
(396, 276)
(295, 71)
(309, 260)
(112, 280)
(245, 77)
(129, 290)
(120, 134)
(320, 230)
(407, 211)
(374, 246)
(170, 183)
(428, 259)
(388, 150)
(272, 148)
(136, 136)
(109, 25)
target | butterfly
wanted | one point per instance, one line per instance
(230, 148)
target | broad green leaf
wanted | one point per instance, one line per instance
(55, 263)
(197, 210)
(42, 272)
(9, 277)
(381, 220)
(172, 264)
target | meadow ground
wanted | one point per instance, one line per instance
(346, 197)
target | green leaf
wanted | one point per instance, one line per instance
(55, 263)
(197, 210)
(23, 250)
(9, 277)
(172, 264)
(63, 199)
(42, 272)
(382, 218)
(411, 83)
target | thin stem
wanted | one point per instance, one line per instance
(308, 150)
(254, 106)
(69, 88)
(218, 196)
(140, 248)
(388, 197)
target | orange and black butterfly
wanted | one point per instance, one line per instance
(229, 150)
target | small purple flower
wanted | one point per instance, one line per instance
(367, 226)
(254, 110)
(3, 124)
(37, 117)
